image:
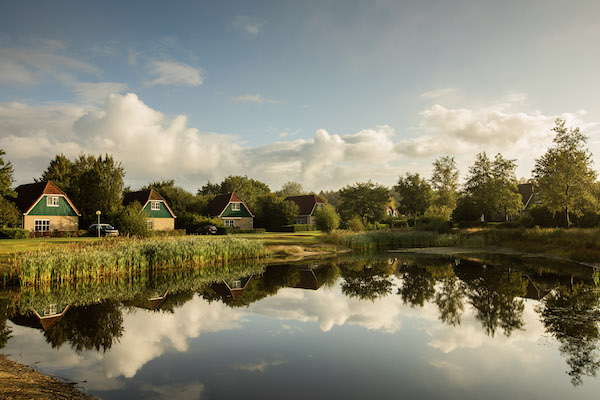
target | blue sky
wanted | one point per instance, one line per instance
(326, 93)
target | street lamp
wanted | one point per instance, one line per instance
(98, 214)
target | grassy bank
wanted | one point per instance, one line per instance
(96, 260)
(576, 244)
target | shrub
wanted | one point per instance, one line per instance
(200, 221)
(10, 216)
(14, 233)
(356, 224)
(224, 230)
(434, 224)
(131, 221)
(327, 219)
(298, 228)
(255, 230)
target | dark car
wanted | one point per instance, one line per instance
(105, 230)
(207, 230)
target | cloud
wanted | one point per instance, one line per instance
(98, 91)
(30, 66)
(259, 366)
(248, 24)
(174, 73)
(252, 98)
(435, 94)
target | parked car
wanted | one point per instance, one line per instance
(207, 230)
(105, 230)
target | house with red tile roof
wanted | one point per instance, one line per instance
(46, 208)
(308, 205)
(159, 215)
(232, 210)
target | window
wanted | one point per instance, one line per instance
(41, 225)
(52, 201)
(235, 206)
(150, 224)
(155, 205)
(230, 222)
(236, 284)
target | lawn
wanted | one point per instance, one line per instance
(8, 246)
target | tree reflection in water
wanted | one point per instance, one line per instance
(494, 297)
(449, 300)
(97, 326)
(418, 285)
(571, 314)
(367, 280)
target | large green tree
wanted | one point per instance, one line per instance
(92, 183)
(248, 189)
(273, 212)
(366, 200)
(492, 186)
(6, 176)
(444, 181)
(564, 175)
(415, 194)
(291, 188)
(327, 219)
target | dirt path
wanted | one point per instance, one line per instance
(20, 382)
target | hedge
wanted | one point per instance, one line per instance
(256, 230)
(13, 233)
(298, 228)
(58, 234)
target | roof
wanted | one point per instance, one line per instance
(526, 191)
(220, 202)
(306, 202)
(143, 197)
(28, 195)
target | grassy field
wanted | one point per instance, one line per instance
(9, 246)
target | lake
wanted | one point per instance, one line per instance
(377, 326)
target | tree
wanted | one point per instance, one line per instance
(290, 189)
(273, 212)
(131, 221)
(248, 189)
(327, 219)
(6, 177)
(367, 200)
(492, 185)
(10, 216)
(444, 181)
(60, 172)
(564, 175)
(415, 194)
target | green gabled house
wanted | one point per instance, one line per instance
(232, 210)
(46, 208)
(159, 215)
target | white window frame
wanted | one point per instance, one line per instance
(236, 284)
(236, 206)
(52, 201)
(229, 222)
(41, 223)
(155, 205)
(150, 224)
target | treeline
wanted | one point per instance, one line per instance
(565, 185)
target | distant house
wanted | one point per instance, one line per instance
(232, 210)
(308, 205)
(159, 215)
(529, 196)
(391, 211)
(229, 290)
(44, 320)
(46, 208)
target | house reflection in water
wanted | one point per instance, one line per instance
(232, 288)
(156, 301)
(45, 319)
(308, 279)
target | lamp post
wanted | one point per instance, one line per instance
(98, 214)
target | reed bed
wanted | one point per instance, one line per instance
(129, 256)
(374, 240)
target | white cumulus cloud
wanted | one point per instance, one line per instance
(174, 73)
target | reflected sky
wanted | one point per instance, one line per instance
(302, 343)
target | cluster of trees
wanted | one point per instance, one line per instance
(563, 176)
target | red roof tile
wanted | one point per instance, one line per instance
(29, 194)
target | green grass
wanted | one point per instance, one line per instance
(8, 246)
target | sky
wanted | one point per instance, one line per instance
(325, 93)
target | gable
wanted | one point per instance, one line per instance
(163, 212)
(229, 212)
(42, 208)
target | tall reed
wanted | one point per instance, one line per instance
(129, 256)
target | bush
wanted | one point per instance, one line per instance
(131, 221)
(224, 230)
(434, 224)
(255, 230)
(298, 228)
(175, 232)
(58, 234)
(10, 216)
(327, 219)
(14, 233)
(200, 221)
(356, 224)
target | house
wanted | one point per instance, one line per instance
(391, 211)
(49, 316)
(232, 211)
(529, 196)
(46, 208)
(229, 290)
(159, 215)
(308, 205)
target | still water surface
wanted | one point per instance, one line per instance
(358, 327)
